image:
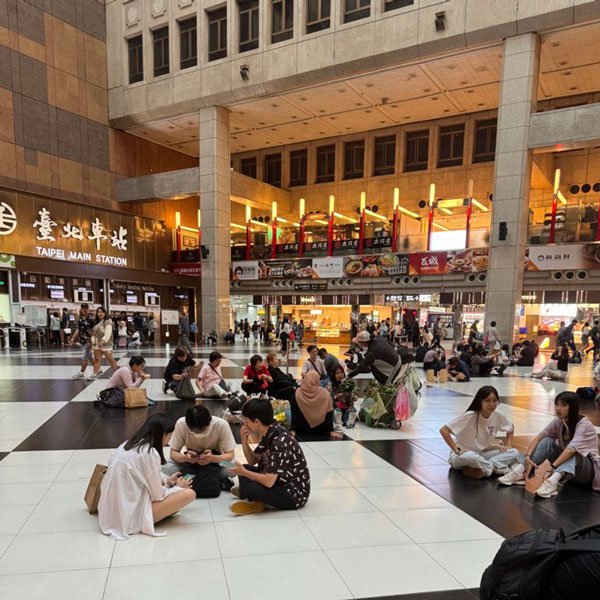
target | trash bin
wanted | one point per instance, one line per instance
(14, 338)
(33, 338)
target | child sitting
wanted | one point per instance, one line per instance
(343, 394)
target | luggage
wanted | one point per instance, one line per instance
(135, 398)
(92, 494)
(545, 564)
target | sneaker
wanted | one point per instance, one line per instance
(235, 490)
(512, 477)
(91, 377)
(473, 473)
(78, 375)
(100, 372)
(547, 489)
(243, 507)
(164, 387)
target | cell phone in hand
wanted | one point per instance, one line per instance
(227, 464)
(188, 477)
(191, 454)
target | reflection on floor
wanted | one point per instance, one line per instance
(386, 518)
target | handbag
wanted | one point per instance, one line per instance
(135, 398)
(430, 375)
(540, 474)
(185, 390)
(221, 383)
(112, 397)
(92, 493)
(443, 376)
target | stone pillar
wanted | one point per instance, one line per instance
(518, 97)
(216, 216)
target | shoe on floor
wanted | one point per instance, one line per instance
(547, 490)
(512, 477)
(243, 507)
(164, 386)
(473, 473)
(91, 377)
(100, 372)
(235, 490)
(78, 375)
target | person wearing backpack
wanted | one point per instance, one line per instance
(472, 437)
(569, 442)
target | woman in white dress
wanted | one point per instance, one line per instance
(134, 493)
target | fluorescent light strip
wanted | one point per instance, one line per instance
(478, 204)
(267, 225)
(375, 215)
(440, 226)
(236, 226)
(446, 211)
(560, 196)
(409, 213)
(341, 216)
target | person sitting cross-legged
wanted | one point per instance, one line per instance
(277, 473)
(472, 437)
(210, 379)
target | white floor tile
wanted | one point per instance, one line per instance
(465, 561)
(270, 536)
(407, 497)
(29, 473)
(71, 492)
(355, 530)
(84, 585)
(21, 494)
(57, 518)
(376, 477)
(315, 462)
(32, 458)
(354, 460)
(192, 580)
(440, 525)
(12, 518)
(183, 542)
(320, 480)
(41, 553)
(81, 472)
(390, 570)
(91, 456)
(336, 501)
(301, 576)
(5, 541)
(220, 511)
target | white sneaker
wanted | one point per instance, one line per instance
(91, 377)
(100, 372)
(512, 477)
(78, 375)
(547, 490)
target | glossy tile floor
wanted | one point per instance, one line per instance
(386, 517)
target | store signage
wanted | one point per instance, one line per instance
(567, 256)
(310, 287)
(190, 269)
(440, 263)
(376, 265)
(390, 298)
(244, 270)
(316, 216)
(328, 267)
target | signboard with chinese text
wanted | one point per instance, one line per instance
(376, 265)
(244, 270)
(190, 269)
(440, 263)
(328, 267)
(567, 256)
(310, 287)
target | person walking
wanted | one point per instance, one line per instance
(184, 332)
(102, 342)
(83, 335)
(55, 329)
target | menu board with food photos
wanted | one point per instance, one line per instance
(376, 265)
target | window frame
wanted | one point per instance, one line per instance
(456, 131)
(249, 161)
(248, 10)
(329, 150)
(300, 156)
(389, 5)
(417, 136)
(218, 17)
(321, 22)
(490, 155)
(269, 159)
(160, 49)
(385, 168)
(190, 34)
(362, 10)
(356, 148)
(286, 32)
(138, 50)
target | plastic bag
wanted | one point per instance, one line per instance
(402, 404)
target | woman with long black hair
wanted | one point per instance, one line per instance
(569, 442)
(134, 493)
(102, 342)
(472, 437)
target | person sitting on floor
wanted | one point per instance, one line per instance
(210, 379)
(466, 355)
(134, 493)
(131, 376)
(256, 376)
(458, 370)
(343, 394)
(177, 369)
(283, 385)
(329, 360)
(557, 367)
(421, 351)
(207, 440)
(526, 356)
(230, 337)
(432, 362)
(569, 442)
(482, 363)
(314, 363)
(276, 474)
(312, 409)
(474, 448)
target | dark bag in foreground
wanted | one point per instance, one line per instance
(207, 480)
(113, 397)
(185, 389)
(545, 564)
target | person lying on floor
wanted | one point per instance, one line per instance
(472, 437)
(312, 409)
(207, 440)
(557, 367)
(135, 494)
(283, 386)
(210, 379)
(569, 442)
(276, 474)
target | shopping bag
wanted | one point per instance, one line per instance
(402, 404)
(135, 398)
(535, 479)
(443, 376)
(92, 494)
(185, 389)
(430, 376)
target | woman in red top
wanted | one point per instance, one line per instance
(256, 376)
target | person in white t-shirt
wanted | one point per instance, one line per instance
(472, 437)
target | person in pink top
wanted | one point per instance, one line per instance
(569, 442)
(210, 379)
(131, 376)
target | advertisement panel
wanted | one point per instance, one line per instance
(244, 270)
(567, 256)
(473, 260)
(328, 267)
(278, 269)
(376, 265)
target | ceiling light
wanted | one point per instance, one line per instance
(407, 212)
(478, 204)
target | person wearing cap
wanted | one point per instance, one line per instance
(381, 358)
(210, 379)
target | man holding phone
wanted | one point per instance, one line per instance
(207, 441)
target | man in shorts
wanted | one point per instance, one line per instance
(83, 334)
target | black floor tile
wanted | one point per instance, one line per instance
(41, 390)
(3, 454)
(446, 595)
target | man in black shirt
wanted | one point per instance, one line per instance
(83, 334)
(527, 357)
(177, 369)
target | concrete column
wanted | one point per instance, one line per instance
(216, 216)
(518, 97)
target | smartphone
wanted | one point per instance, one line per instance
(227, 464)
(191, 453)
(188, 477)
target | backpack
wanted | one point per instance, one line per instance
(585, 393)
(525, 563)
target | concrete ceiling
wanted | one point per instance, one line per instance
(452, 85)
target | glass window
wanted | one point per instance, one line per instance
(394, 4)
(136, 59)
(248, 167)
(325, 163)
(452, 143)
(354, 159)
(416, 153)
(384, 161)
(298, 167)
(188, 43)
(217, 34)
(317, 15)
(273, 169)
(248, 25)
(160, 39)
(485, 141)
(356, 9)
(282, 20)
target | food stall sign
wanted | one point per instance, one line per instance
(315, 216)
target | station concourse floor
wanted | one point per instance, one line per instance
(386, 517)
